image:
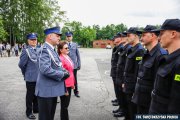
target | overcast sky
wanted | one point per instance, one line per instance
(130, 12)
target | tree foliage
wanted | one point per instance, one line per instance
(81, 34)
(85, 35)
(23, 16)
(109, 30)
(2, 31)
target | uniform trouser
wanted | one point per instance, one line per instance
(115, 87)
(122, 99)
(16, 52)
(142, 109)
(31, 99)
(1, 53)
(8, 51)
(125, 108)
(65, 100)
(47, 108)
(76, 83)
(132, 108)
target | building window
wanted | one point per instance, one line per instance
(96, 43)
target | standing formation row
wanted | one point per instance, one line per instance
(145, 68)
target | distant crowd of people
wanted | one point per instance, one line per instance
(7, 50)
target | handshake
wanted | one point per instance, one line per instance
(66, 74)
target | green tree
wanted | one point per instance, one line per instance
(74, 27)
(98, 32)
(108, 31)
(2, 31)
(120, 28)
(24, 16)
(87, 35)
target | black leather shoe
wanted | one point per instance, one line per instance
(115, 111)
(115, 100)
(119, 114)
(115, 104)
(31, 116)
(77, 95)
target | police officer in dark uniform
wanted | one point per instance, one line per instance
(28, 66)
(122, 110)
(147, 69)
(114, 60)
(134, 56)
(166, 92)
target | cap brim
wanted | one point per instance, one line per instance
(125, 33)
(139, 32)
(157, 30)
(60, 34)
(32, 38)
(133, 33)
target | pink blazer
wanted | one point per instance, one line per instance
(69, 66)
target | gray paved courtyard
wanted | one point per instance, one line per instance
(95, 86)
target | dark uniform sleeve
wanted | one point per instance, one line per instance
(159, 57)
(138, 58)
(174, 103)
(23, 61)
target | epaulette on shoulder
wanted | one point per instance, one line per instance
(163, 51)
(120, 47)
(44, 47)
(140, 47)
(129, 47)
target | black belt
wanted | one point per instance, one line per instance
(144, 82)
(128, 74)
(159, 98)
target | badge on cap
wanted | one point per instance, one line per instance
(55, 30)
(69, 33)
(31, 36)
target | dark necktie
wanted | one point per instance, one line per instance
(69, 45)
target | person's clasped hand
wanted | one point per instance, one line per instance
(66, 75)
(78, 68)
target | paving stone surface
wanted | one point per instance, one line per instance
(95, 86)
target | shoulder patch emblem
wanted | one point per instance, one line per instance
(138, 58)
(177, 77)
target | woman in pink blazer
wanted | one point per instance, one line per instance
(67, 63)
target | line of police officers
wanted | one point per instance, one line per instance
(146, 75)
